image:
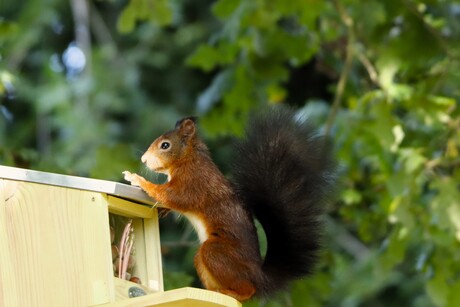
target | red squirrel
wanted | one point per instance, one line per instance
(283, 175)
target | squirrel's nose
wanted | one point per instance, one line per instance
(144, 159)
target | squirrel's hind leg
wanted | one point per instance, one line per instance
(220, 270)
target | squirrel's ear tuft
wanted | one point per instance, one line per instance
(186, 126)
(194, 119)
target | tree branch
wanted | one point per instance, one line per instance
(373, 75)
(347, 241)
(80, 12)
(346, 68)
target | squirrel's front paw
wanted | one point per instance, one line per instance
(133, 178)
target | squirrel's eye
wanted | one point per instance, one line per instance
(165, 145)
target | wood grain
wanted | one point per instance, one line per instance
(55, 242)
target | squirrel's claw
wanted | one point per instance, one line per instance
(127, 175)
(133, 178)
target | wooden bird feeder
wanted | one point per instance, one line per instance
(56, 245)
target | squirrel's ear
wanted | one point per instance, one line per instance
(186, 126)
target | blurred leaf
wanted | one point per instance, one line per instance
(7, 29)
(6, 81)
(207, 57)
(157, 11)
(383, 123)
(127, 19)
(225, 8)
(395, 250)
(413, 159)
(454, 294)
(445, 205)
(276, 93)
(161, 12)
(438, 290)
(351, 196)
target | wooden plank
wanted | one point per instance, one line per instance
(153, 253)
(128, 208)
(183, 297)
(140, 268)
(54, 246)
(74, 182)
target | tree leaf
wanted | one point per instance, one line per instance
(127, 20)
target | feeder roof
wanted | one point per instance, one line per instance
(96, 185)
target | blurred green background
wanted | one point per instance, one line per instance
(85, 86)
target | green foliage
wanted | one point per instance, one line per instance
(392, 235)
(155, 11)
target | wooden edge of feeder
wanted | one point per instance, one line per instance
(127, 208)
(96, 185)
(184, 297)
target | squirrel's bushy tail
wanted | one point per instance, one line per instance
(284, 174)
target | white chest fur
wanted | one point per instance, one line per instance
(199, 226)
